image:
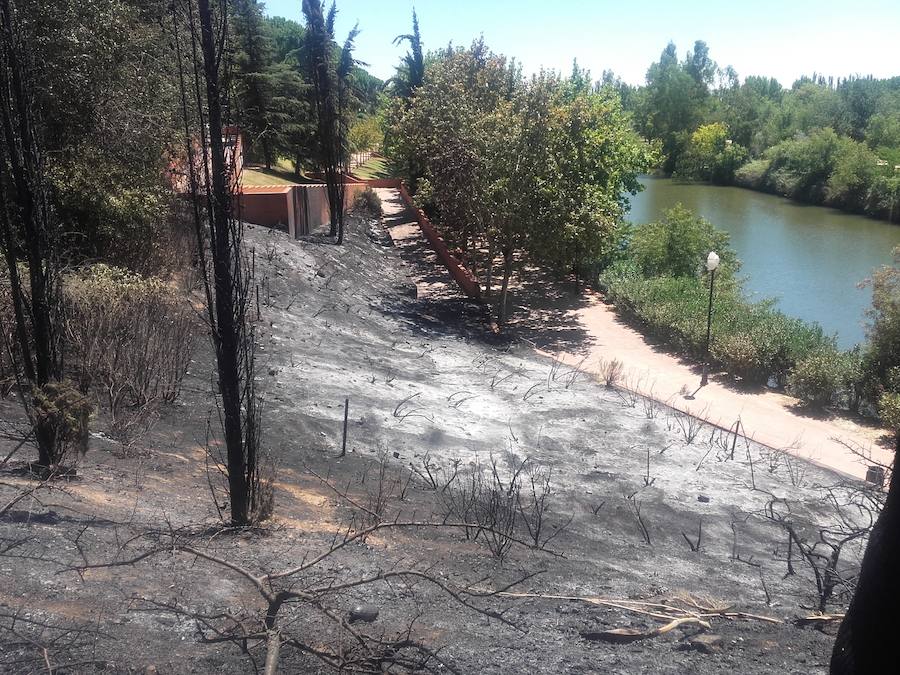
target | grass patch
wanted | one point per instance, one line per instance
(262, 176)
(376, 167)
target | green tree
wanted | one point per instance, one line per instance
(883, 130)
(711, 155)
(366, 134)
(800, 167)
(671, 103)
(287, 38)
(747, 109)
(411, 71)
(515, 167)
(701, 67)
(854, 172)
(594, 159)
(107, 96)
(677, 245)
(269, 92)
(881, 360)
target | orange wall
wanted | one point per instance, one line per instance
(462, 276)
(266, 208)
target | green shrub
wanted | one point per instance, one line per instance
(752, 174)
(752, 341)
(369, 202)
(889, 410)
(819, 377)
(882, 356)
(741, 357)
(677, 245)
(711, 155)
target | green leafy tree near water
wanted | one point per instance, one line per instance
(823, 140)
(671, 105)
(514, 166)
(677, 245)
(711, 155)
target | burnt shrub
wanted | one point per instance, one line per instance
(131, 338)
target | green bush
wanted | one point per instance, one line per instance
(677, 245)
(750, 340)
(753, 174)
(819, 377)
(711, 155)
(740, 357)
(889, 410)
(882, 355)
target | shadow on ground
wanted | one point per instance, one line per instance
(543, 309)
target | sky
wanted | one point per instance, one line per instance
(783, 39)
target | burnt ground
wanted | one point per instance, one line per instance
(428, 383)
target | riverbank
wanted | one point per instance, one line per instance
(756, 185)
(809, 259)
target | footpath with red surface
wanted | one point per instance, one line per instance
(767, 417)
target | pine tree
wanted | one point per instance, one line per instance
(411, 73)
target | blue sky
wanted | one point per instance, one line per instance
(784, 39)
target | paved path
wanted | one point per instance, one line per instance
(576, 326)
(769, 417)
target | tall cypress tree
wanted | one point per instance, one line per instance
(411, 72)
(329, 78)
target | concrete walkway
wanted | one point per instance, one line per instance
(576, 326)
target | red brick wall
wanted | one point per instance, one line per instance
(462, 276)
(266, 208)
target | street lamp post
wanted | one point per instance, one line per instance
(712, 262)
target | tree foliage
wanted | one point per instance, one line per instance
(511, 166)
(411, 72)
(711, 155)
(329, 76)
(677, 245)
(824, 141)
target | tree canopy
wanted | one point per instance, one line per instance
(823, 140)
(538, 166)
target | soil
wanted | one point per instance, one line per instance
(428, 383)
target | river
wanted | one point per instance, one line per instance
(808, 258)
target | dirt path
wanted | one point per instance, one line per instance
(576, 326)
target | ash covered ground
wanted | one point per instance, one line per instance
(433, 393)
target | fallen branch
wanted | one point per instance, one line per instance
(627, 635)
(663, 612)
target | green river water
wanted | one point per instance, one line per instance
(809, 258)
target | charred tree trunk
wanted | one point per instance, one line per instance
(489, 271)
(228, 333)
(865, 640)
(28, 228)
